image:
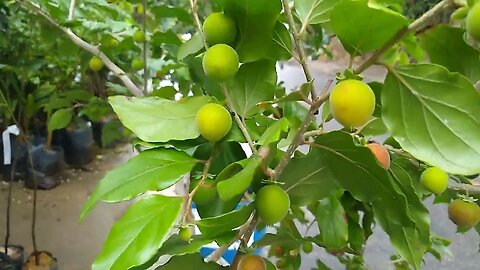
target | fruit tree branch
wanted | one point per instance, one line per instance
(298, 45)
(471, 189)
(417, 25)
(194, 7)
(71, 10)
(87, 47)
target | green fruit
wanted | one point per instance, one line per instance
(213, 122)
(185, 234)
(352, 103)
(473, 22)
(434, 180)
(464, 214)
(139, 36)
(137, 64)
(206, 193)
(272, 204)
(139, 9)
(251, 262)
(307, 247)
(219, 28)
(220, 62)
(95, 63)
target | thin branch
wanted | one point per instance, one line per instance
(298, 139)
(145, 49)
(206, 169)
(71, 10)
(196, 19)
(313, 133)
(244, 241)
(117, 71)
(413, 27)
(298, 45)
(471, 189)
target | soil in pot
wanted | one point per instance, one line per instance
(78, 145)
(45, 262)
(47, 161)
(13, 259)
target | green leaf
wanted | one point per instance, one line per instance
(434, 115)
(314, 11)
(190, 261)
(165, 11)
(154, 119)
(332, 223)
(275, 132)
(366, 29)
(307, 180)
(154, 169)
(376, 127)
(255, 21)
(238, 184)
(214, 226)
(300, 94)
(282, 47)
(136, 237)
(60, 119)
(445, 46)
(192, 46)
(254, 82)
(356, 170)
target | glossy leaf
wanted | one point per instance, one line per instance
(254, 82)
(282, 46)
(239, 183)
(332, 223)
(60, 119)
(218, 225)
(136, 237)
(190, 261)
(366, 29)
(192, 46)
(154, 169)
(154, 119)
(445, 46)
(314, 11)
(255, 21)
(434, 115)
(275, 132)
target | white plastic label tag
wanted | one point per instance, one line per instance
(7, 150)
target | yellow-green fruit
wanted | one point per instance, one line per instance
(352, 103)
(473, 22)
(272, 204)
(220, 62)
(434, 180)
(464, 214)
(95, 64)
(110, 42)
(307, 247)
(251, 262)
(205, 193)
(185, 234)
(219, 28)
(137, 64)
(213, 122)
(139, 36)
(139, 9)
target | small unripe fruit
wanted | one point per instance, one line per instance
(219, 28)
(251, 262)
(184, 234)
(137, 64)
(281, 264)
(95, 64)
(213, 122)
(307, 247)
(139, 36)
(220, 62)
(473, 22)
(464, 214)
(381, 153)
(139, 9)
(272, 204)
(352, 103)
(434, 180)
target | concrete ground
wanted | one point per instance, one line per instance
(76, 244)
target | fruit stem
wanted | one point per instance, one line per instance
(417, 25)
(298, 45)
(194, 7)
(117, 71)
(298, 139)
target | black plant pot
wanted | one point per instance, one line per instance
(19, 154)
(97, 132)
(37, 140)
(78, 145)
(14, 259)
(47, 161)
(45, 261)
(43, 181)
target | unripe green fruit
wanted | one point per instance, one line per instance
(213, 122)
(473, 22)
(219, 28)
(95, 63)
(204, 194)
(352, 103)
(185, 234)
(434, 180)
(272, 204)
(307, 247)
(220, 62)
(137, 64)
(139, 36)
